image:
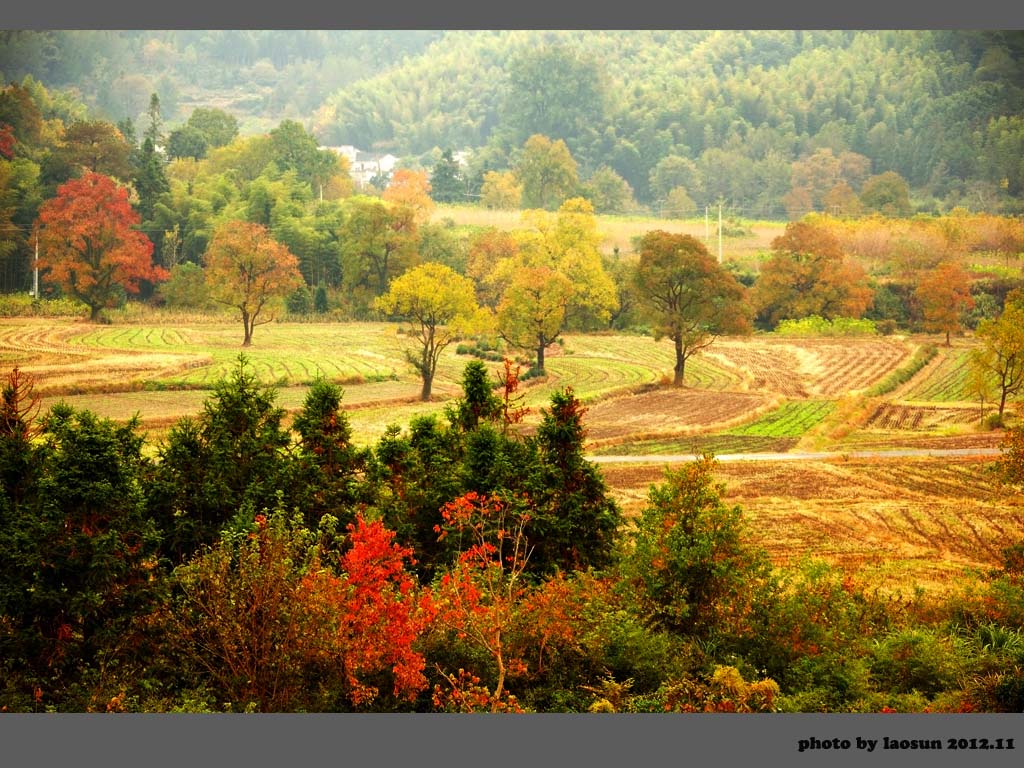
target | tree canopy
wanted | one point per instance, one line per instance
(441, 305)
(689, 297)
(89, 246)
(247, 269)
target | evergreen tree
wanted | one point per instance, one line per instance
(446, 182)
(231, 457)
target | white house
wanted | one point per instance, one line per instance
(363, 166)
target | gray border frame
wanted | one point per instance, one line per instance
(583, 740)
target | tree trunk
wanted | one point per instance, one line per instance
(680, 369)
(499, 687)
(540, 357)
(247, 322)
(947, 338)
(95, 313)
(428, 381)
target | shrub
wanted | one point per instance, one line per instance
(320, 303)
(916, 659)
(23, 305)
(186, 288)
(819, 326)
(690, 569)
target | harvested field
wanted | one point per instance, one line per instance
(670, 411)
(899, 523)
(885, 441)
(696, 445)
(618, 232)
(803, 368)
(897, 416)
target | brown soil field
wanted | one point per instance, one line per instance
(897, 416)
(671, 412)
(898, 523)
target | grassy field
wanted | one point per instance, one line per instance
(619, 232)
(899, 522)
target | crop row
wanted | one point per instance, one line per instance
(792, 419)
(904, 373)
(944, 382)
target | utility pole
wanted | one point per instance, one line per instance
(719, 233)
(35, 271)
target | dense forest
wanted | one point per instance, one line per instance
(749, 118)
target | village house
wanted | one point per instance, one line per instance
(363, 166)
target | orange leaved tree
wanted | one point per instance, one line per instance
(480, 596)
(246, 268)
(88, 246)
(944, 295)
(809, 274)
(411, 189)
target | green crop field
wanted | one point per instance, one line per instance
(792, 419)
(945, 380)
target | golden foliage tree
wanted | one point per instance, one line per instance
(808, 274)
(411, 189)
(441, 305)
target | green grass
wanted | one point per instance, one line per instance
(791, 420)
(284, 354)
(600, 364)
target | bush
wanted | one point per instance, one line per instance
(916, 659)
(819, 326)
(23, 305)
(320, 303)
(690, 568)
(186, 288)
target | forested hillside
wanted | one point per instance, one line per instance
(942, 109)
(770, 122)
(261, 76)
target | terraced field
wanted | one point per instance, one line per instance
(897, 416)
(901, 522)
(808, 368)
(759, 393)
(944, 380)
(793, 419)
(670, 412)
(897, 523)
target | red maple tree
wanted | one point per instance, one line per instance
(379, 613)
(479, 598)
(88, 244)
(7, 141)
